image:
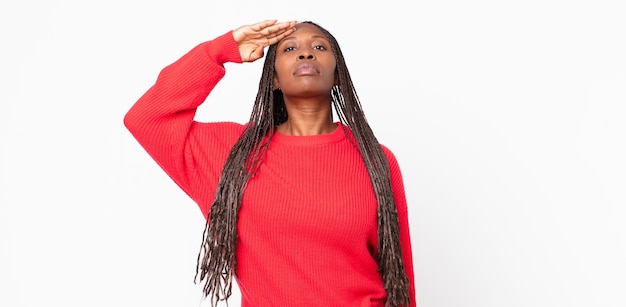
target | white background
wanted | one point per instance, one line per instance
(507, 118)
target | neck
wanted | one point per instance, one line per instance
(297, 127)
(307, 117)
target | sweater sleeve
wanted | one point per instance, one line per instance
(162, 120)
(403, 221)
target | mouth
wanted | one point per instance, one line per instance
(306, 69)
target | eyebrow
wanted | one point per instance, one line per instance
(314, 36)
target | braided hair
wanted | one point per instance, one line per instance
(217, 262)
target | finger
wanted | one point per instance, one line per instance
(269, 29)
(263, 24)
(280, 35)
(281, 26)
(279, 31)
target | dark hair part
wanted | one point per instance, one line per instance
(217, 261)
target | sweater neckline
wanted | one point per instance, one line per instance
(307, 140)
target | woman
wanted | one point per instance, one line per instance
(301, 210)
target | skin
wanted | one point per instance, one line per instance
(305, 71)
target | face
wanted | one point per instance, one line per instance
(305, 64)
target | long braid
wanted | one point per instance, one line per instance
(216, 259)
(389, 257)
(217, 262)
(350, 112)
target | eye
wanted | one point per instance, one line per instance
(289, 48)
(319, 47)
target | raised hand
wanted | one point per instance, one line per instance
(252, 39)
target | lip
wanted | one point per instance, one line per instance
(306, 69)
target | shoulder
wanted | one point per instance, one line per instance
(391, 157)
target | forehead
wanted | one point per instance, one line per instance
(305, 30)
(307, 27)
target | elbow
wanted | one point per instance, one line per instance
(128, 120)
(131, 121)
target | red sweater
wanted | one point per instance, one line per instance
(307, 226)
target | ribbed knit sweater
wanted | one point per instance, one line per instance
(307, 228)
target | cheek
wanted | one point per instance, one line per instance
(278, 70)
(280, 74)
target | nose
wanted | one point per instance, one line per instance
(305, 55)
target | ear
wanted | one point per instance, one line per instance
(275, 83)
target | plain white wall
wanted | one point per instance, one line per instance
(507, 118)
